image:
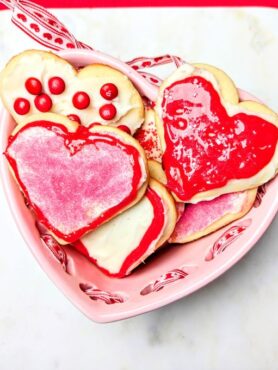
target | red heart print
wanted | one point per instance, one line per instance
(75, 181)
(35, 27)
(58, 40)
(205, 147)
(47, 36)
(22, 17)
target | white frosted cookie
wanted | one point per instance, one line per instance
(148, 137)
(212, 143)
(203, 218)
(75, 178)
(40, 81)
(120, 245)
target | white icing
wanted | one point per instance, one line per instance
(43, 68)
(112, 242)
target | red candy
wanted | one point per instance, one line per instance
(81, 100)
(21, 106)
(94, 124)
(108, 111)
(33, 86)
(56, 85)
(109, 91)
(43, 103)
(125, 129)
(74, 117)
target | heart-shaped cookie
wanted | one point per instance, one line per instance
(75, 178)
(126, 241)
(212, 144)
(40, 81)
(148, 137)
(203, 218)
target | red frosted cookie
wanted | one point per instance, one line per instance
(198, 220)
(121, 244)
(76, 178)
(211, 143)
(40, 81)
(148, 137)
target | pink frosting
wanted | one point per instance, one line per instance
(197, 217)
(71, 190)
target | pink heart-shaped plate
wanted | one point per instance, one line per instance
(172, 273)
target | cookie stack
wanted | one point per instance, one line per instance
(117, 179)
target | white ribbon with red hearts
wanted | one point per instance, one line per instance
(47, 30)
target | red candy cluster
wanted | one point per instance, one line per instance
(108, 91)
(42, 101)
(80, 99)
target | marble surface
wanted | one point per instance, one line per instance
(233, 322)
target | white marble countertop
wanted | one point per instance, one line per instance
(231, 324)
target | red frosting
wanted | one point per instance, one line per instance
(107, 111)
(81, 100)
(43, 103)
(73, 181)
(205, 148)
(150, 235)
(33, 86)
(149, 140)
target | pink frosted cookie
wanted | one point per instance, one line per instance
(148, 137)
(212, 143)
(121, 244)
(39, 81)
(205, 217)
(76, 178)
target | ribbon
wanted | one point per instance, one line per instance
(43, 27)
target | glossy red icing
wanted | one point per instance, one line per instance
(73, 181)
(150, 235)
(43, 103)
(205, 148)
(56, 85)
(33, 86)
(21, 106)
(109, 91)
(81, 100)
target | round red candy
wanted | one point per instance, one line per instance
(81, 100)
(21, 106)
(74, 117)
(109, 91)
(56, 85)
(125, 129)
(43, 103)
(33, 86)
(108, 111)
